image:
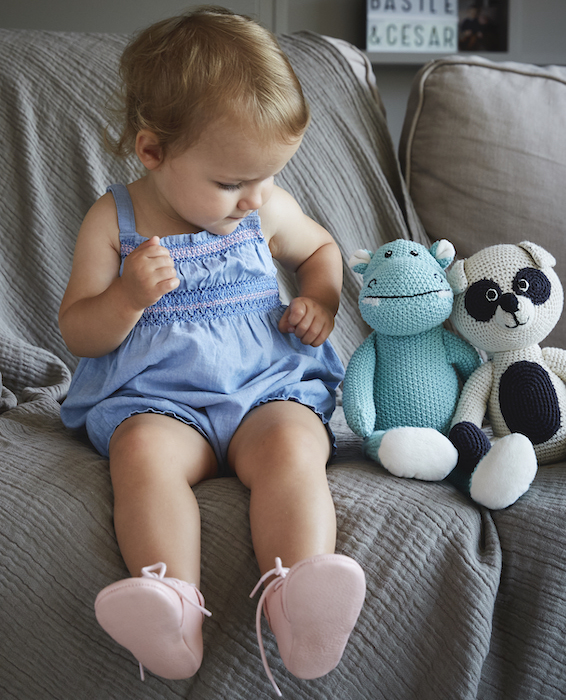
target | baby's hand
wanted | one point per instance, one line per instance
(148, 274)
(308, 320)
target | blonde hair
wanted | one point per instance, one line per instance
(183, 73)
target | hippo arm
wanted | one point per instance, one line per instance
(474, 398)
(461, 354)
(358, 388)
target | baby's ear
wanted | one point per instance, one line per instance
(360, 260)
(149, 149)
(443, 252)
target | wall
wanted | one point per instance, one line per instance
(537, 31)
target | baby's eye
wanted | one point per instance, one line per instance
(228, 187)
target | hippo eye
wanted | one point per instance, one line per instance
(388, 253)
(482, 299)
(533, 284)
(415, 253)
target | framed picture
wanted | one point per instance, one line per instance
(483, 25)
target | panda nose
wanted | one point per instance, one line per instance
(509, 303)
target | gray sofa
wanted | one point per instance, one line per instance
(462, 603)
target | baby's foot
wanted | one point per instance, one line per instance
(312, 609)
(158, 619)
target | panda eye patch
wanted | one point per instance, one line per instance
(482, 299)
(533, 284)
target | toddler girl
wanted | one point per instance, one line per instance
(191, 367)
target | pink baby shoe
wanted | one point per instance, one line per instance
(158, 619)
(311, 609)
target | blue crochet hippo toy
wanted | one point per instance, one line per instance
(402, 384)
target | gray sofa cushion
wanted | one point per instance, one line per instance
(483, 151)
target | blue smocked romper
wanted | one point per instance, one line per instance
(207, 352)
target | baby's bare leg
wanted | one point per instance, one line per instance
(154, 461)
(280, 453)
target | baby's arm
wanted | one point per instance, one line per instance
(100, 307)
(307, 249)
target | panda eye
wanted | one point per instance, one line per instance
(388, 253)
(482, 299)
(532, 284)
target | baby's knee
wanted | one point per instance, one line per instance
(132, 436)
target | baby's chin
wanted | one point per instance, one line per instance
(226, 227)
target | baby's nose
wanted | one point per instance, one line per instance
(251, 200)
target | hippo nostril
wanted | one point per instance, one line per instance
(509, 303)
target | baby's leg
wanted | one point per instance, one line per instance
(313, 597)
(280, 453)
(154, 461)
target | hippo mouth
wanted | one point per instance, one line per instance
(376, 298)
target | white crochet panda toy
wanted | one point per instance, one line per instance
(508, 299)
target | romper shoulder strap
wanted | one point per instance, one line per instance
(124, 207)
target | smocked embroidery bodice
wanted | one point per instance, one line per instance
(206, 291)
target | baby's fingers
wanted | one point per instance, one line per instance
(312, 334)
(154, 240)
(297, 311)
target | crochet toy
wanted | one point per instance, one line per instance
(508, 299)
(402, 384)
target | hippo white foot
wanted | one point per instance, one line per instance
(417, 453)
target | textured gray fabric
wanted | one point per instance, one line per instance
(484, 152)
(433, 560)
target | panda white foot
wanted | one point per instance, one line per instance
(505, 473)
(417, 453)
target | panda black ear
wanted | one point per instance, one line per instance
(541, 257)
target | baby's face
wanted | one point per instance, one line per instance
(215, 183)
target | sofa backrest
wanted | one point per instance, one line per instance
(483, 150)
(53, 91)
